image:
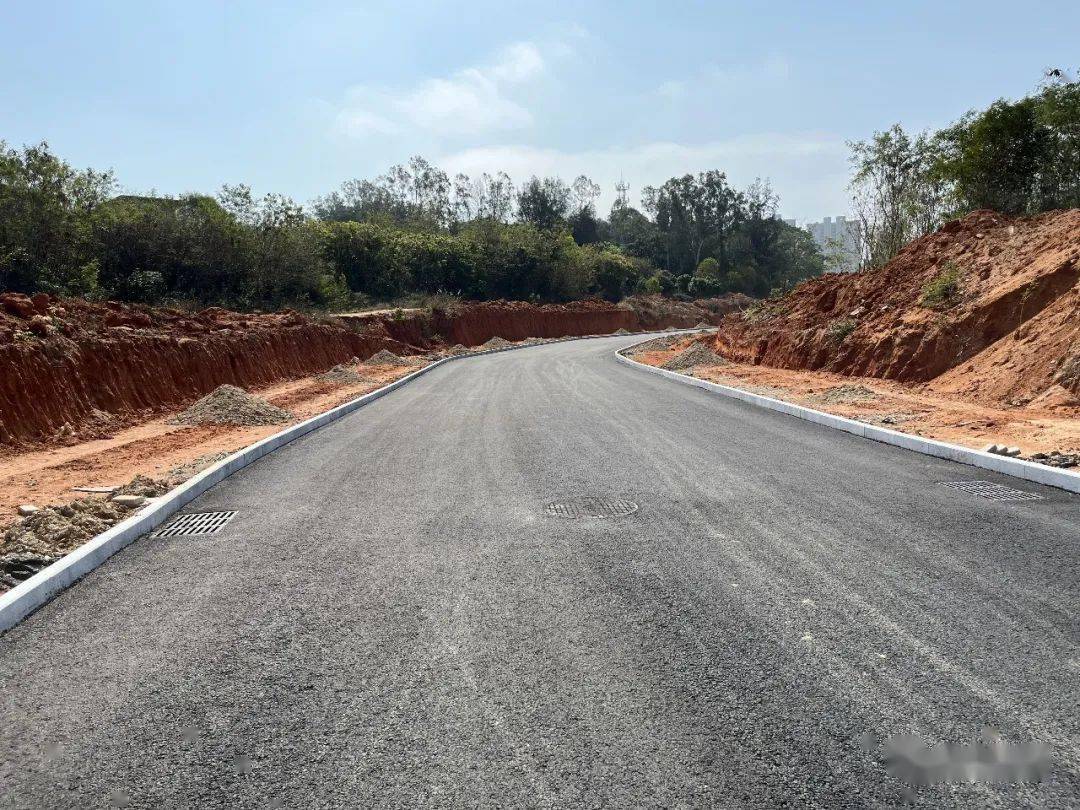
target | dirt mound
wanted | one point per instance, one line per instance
(458, 349)
(39, 540)
(229, 405)
(47, 535)
(986, 308)
(341, 375)
(385, 358)
(696, 354)
(621, 332)
(655, 345)
(496, 343)
(847, 393)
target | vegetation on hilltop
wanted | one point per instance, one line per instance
(416, 231)
(1015, 157)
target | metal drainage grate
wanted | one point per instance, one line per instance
(200, 523)
(992, 491)
(589, 506)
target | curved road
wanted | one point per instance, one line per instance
(393, 619)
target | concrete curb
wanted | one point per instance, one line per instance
(1027, 470)
(34, 592)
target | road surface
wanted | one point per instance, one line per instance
(393, 618)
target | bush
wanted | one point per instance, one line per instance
(944, 290)
(839, 330)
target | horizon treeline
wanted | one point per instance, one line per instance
(415, 231)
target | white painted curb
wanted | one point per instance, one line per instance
(34, 592)
(1027, 470)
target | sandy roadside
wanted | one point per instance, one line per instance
(46, 477)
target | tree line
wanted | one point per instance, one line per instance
(412, 231)
(415, 230)
(1015, 157)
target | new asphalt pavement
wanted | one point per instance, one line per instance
(397, 616)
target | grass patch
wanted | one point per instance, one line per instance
(761, 310)
(838, 330)
(944, 290)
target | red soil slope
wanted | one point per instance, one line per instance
(474, 323)
(66, 365)
(1011, 334)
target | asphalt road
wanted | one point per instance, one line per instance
(392, 619)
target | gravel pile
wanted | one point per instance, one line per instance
(847, 393)
(703, 325)
(384, 357)
(696, 354)
(622, 331)
(342, 375)
(497, 343)
(229, 405)
(457, 348)
(1055, 458)
(654, 345)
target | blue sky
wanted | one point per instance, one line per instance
(297, 97)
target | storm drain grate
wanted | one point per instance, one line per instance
(200, 523)
(995, 492)
(589, 506)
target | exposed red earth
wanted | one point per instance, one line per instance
(1009, 334)
(970, 335)
(73, 369)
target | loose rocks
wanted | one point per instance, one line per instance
(385, 358)
(696, 354)
(229, 405)
(1057, 459)
(341, 375)
(847, 393)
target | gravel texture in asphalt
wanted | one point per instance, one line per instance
(397, 615)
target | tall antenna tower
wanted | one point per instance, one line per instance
(622, 193)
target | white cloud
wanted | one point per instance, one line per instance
(808, 170)
(471, 101)
(728, 81)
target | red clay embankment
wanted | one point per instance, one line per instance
(67, 367)
(474, 323)
(63, 361)
(1002, 328)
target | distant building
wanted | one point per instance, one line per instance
(838, 237)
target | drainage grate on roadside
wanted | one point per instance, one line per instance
(590, 507)
(196, 524)
(992, 491)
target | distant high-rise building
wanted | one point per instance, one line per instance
(837, 237)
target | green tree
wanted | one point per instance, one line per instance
(44, 206)
(543, 203)
(696, 216)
